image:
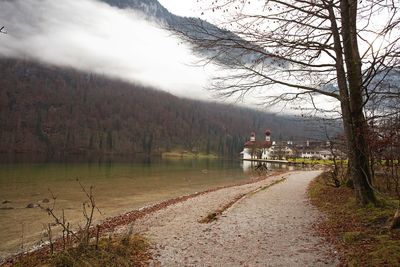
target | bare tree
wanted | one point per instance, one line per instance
(384, 139)
(299, 50)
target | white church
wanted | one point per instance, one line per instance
(257, 150)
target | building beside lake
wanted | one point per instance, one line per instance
(281, 150)
(314, 150)
(316, 154)
(254, 149)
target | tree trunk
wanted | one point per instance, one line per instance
(357, 142)
(344, 92)
(360, 171)
(396, 220)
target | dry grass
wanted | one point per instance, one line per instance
(213, 216)
(119, 251)
(360, 234)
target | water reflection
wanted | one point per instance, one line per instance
(251, 166)
(118, 186)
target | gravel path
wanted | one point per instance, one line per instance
(269, 226)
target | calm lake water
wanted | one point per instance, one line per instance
(118, 188)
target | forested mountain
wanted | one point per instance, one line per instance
(57, 111)
(151, 8)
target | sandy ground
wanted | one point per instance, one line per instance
(267, 227)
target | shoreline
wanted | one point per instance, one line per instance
(110, 224)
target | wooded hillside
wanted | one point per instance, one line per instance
(57, 111)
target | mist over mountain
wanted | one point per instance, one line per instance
(200, 30)
(58, 111)
(95, 37)
(84, 84)
(119, 39)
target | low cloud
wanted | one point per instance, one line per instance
(92, 36)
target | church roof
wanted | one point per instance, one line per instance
(249, 144)
(252, 144)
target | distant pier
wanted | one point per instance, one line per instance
(276, 161)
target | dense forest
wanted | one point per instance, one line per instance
(57, 111)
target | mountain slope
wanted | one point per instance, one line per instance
(57, 111)
(201, 31)
(151, 8)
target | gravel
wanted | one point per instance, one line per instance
(269, 226)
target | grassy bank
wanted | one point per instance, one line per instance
(317, 161)
(187, 155)
(361, 235)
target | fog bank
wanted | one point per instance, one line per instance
(92, 36)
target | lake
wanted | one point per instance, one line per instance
(118, 188)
